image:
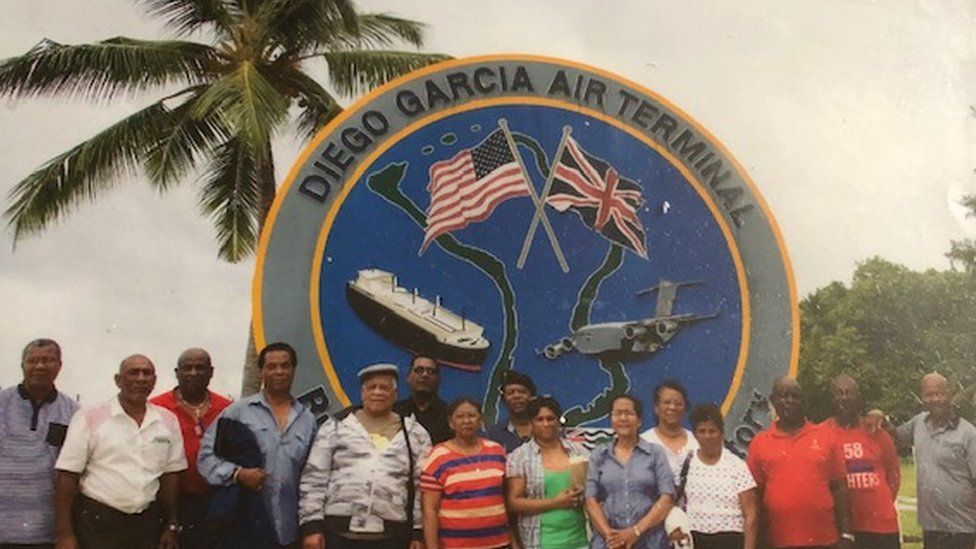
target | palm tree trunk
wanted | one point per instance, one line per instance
(251, 380)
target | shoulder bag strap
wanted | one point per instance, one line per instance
(411, 486)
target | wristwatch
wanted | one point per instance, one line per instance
(847, 536)
(174, 527)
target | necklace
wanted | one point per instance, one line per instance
(197, 410)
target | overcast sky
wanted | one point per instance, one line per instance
(853, 117)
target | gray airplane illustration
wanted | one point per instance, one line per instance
(632, 337)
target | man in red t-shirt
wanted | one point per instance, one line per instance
(871, 466)
(799, 473)
(196, 407)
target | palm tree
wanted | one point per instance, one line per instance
(224, 102)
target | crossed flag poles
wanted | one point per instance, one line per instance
(467, 187)
(538, 201)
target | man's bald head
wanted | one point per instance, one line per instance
(136, 379)
(937, 396)
(135, 360)
(785, 382)
(846, 399)
(787, 397)
(194, 354)
(194, 370)
(935, 380)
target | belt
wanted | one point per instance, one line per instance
(86, 503)
(340, 525)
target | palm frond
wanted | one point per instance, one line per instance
(293, 24)
(316, 105)
(84, 171)
(231, 197)
(188, 16)
(103, 69)
(183, 143)
(356, 72)
(382, 29)
(247, 101)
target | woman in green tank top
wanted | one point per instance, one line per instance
(545, 482)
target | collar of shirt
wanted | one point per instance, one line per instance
(779, 433)
(534, 446)
(152, 416)
(48, 398)
(259, 399)
(952, 425)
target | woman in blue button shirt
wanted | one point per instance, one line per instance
(629, 485)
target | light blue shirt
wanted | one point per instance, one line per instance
(284, 452)
(626, 492)
(28, 450)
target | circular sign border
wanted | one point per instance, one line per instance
(286, 188)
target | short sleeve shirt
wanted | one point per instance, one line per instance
(120, 461)
(526, 462)
(192, 428)
(30, 439)
(945, 460)
(872, 470)
(627, 491)
(713, 493)
(675, 459)
(793, 473)
(472, 508)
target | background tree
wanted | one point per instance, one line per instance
(888, 328)
(225, 100)
(962, 253)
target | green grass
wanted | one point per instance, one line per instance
(911, 533)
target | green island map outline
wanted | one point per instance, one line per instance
(386, 181)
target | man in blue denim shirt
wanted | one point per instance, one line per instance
(284, 429)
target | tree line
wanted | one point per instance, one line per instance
(889, 326)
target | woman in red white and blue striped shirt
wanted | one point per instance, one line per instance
(462, 486)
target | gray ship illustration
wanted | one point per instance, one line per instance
(418, 324)
(633, 337)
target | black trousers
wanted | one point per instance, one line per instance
(397, 542)
(195, 533)
(871, 540)
(948, 540)
(719, 540)
(98, 526)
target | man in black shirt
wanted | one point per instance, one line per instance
(424, 380)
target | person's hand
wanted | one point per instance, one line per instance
(68, 541)
(251, 478)
(569, 498)
(416, 544)
(873, 420)
(168, 540)
(678, 536)
(614, 539)
(313, 541)
(844, 543)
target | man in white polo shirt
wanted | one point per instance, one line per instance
(118, 469)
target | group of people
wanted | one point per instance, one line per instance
(188, 468)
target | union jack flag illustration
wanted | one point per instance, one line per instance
(468, 187)
(604, 200)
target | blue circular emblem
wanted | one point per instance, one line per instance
(532, 214)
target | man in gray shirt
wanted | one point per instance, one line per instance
(945, 460)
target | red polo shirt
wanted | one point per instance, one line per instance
(793, 473)
(191, 482)
(873, 476)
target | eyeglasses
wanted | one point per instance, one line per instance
(623, 413)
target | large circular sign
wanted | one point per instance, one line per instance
(527, 213)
